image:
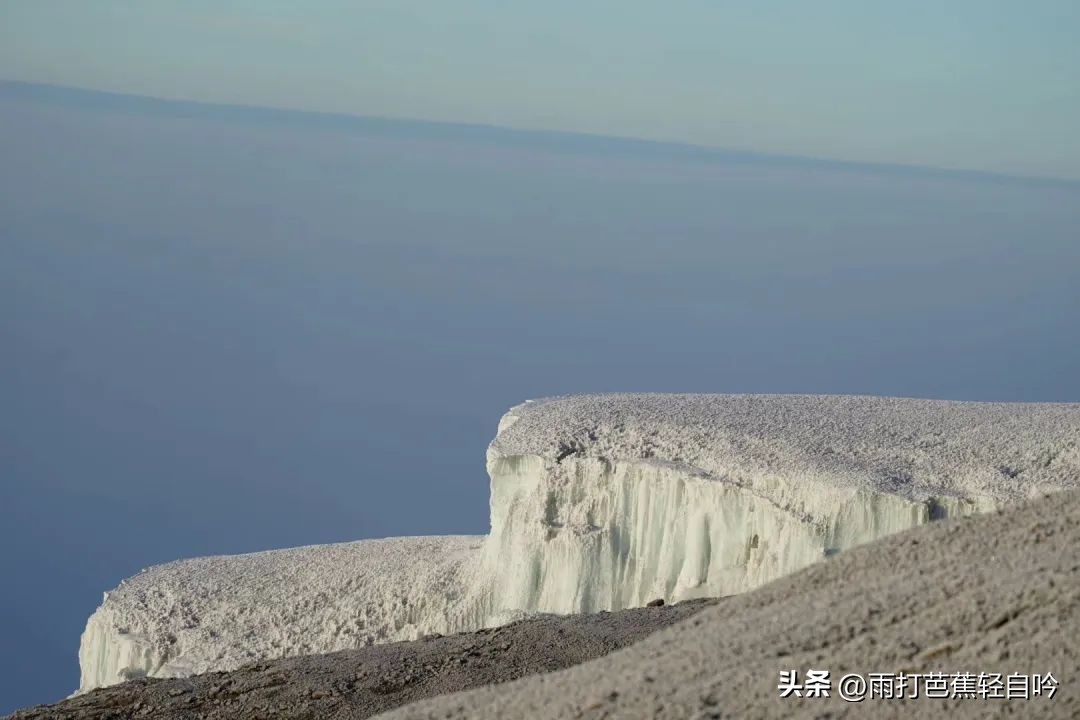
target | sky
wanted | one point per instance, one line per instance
(977, 84)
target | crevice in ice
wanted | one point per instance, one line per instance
(935, 510)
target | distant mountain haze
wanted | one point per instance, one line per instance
(969, 84)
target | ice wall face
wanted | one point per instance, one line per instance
(589, 535)
(603, 502)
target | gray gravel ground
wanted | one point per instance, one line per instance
(997, 593)
(361, 683)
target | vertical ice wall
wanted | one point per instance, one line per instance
(587, 535)
(608, 501)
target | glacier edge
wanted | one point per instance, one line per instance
(601, 503)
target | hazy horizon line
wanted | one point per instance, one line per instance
(555, 140)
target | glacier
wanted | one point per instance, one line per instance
(602, 502)
(217, 613)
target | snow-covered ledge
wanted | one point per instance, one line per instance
(218, 613)
(603, 502)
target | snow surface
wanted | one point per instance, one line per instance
(905, 447)
(218, 613)
(602, 502)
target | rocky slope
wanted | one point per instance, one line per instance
(359, 683)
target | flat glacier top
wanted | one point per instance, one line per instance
(274, 575)
(908, 447)
(221, 612)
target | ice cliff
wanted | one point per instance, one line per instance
(603, 502)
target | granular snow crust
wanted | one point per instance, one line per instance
(912, 448)
(218, 613)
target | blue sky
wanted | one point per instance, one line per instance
(969, 84)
